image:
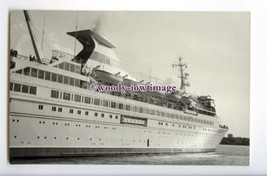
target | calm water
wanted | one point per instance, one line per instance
(224, 155)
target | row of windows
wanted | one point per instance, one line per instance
(53, 77)
(111, 104)
(79, 112)
(69, 67)
(79, 125)
(206, 113)
(22, 88)
(180, 126)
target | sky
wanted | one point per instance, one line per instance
(215, 46)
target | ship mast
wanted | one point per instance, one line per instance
(183, 76)
(36, 46)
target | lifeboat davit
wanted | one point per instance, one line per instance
(128, 82)
(106, 77)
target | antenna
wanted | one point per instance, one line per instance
(76, 33)
(150, 74)
(43, 35)
(183, 75)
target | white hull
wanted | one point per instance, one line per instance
(95, 129)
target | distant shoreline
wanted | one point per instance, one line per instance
(235, 141)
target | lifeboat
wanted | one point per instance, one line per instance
(107, 77)
(155, 94)
(174, 97)
(190, 100)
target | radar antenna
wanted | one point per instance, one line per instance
(183, 76)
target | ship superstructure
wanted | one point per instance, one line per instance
(53, 111)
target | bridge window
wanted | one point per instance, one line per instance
(120, 106)
(66, 80)
(87, 100)
(61, 65)
(78, 69)
(33, 90)
(96, 101)
(72, 68)
(47, 75)
(17, 87)
(113, 105)
(77, 98)
(84, 84)
(105, 103)
(34, 72)
(66, 96)
(77, 83)
(54, 77)
(54, 94)
(25, 89)
(67, 66)
(27, 71)
(41, 74)
(60, 79)
(72, 81)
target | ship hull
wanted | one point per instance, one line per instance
(45, 124)
(71, 152)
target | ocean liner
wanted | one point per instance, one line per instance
(54, 112)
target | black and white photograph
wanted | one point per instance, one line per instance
(129, 87)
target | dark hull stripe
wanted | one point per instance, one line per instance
(67, 152)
